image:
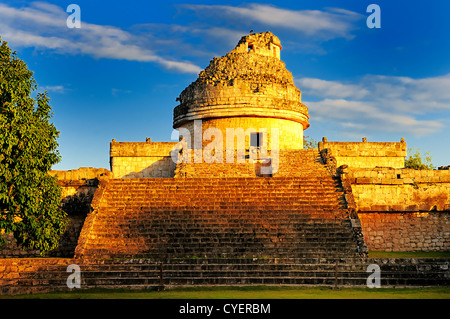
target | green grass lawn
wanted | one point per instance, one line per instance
(251, 292)
(409, 254)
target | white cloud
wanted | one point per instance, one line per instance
(363, 117)
(380, 103)
(323, 88)
(197, 41)
(327, 24)
(116, 92)
(411, 95)
(54, 88)
(43, 26)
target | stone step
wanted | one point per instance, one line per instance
(191, 220)
(49, 264)
(28, 275)
(149, 279)
(311, 180)
(179, 274)
(213, 250)
(300, 194)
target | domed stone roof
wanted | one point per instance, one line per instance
(251, 80)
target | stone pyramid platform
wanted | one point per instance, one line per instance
(229, 217)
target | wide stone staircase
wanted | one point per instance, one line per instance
(231, 217)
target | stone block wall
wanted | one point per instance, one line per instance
(260, 43)
(366, 154)
(142, 159)
(82, 173)
(402, 209)
(13, 250)
(289, 133)
(406, 231)
(388, 189)
(241, 98)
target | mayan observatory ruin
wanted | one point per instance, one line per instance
(238, 200)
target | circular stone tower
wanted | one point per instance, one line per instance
(248, 88)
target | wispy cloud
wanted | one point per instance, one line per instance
(177, 47)
(196, 41)
(324, 24)
(333, 89)
(380, 103)
(54, 88)
(43, 25)
(115, 92)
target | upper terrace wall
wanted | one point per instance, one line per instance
(142, 159)
(388, 189)
(366, 154)
(401, 209)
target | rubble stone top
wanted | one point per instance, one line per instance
(251, 80)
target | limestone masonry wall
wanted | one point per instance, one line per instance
(240, 97)
(80, 174)
(402, 209)
(388, 189)
(142, 159)
(265, 44)
(290, 133)
(406, 231)
(366, 154)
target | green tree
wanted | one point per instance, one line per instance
(415, 160)
(309, 142)
(29, 196)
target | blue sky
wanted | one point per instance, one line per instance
(119, 74)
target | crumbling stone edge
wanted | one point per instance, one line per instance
(341, 173)
(90, 220)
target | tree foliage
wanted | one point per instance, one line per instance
(309, 142)
(417, 160)
(29, 196)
